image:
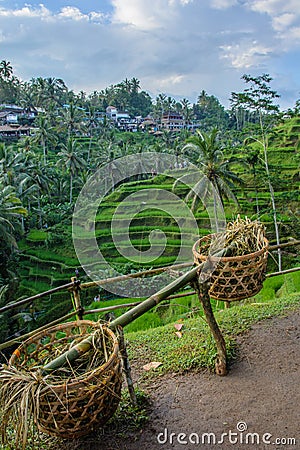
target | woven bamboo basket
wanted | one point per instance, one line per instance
(72, 407)
(233, 278)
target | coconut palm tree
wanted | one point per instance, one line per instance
(71, 159)
(214, 176)
(11, 209)
(187, 112)
(11, 163)
(43, 135)
(135, 85)
(72, 119)
(6, 69)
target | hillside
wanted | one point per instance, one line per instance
(47, 257)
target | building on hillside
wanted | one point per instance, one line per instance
(13, 131)
(14, 114)
(122, 115)
(148, 124)
(172, 121)
(8, 117)
(111, 112)
(128, 124)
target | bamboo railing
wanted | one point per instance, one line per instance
(138, 308)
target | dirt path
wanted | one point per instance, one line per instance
(261, 393)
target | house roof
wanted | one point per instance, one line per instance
(13, 128)
(4, 114)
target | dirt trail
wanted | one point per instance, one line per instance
(260, 393)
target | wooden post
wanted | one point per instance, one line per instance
(126, 365)
(123, 320)
(202, 289)
(76, 294)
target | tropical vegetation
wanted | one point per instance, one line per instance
(250, 154)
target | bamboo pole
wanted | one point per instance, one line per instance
(135, 275)
(19, 339)
(282, 272)
(135, 312)
(285, 244)
(121, 278)
(76, 296)
(110, 308)
(123, 320)
(154, 299)
(127, 305)
(126, 366)
(38, 296)
(69, 356)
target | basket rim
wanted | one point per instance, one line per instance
(82, 380)
(227, 258)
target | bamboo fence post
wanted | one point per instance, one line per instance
(123, 320)
(36, 297)
(76, 295)
(154, 299)
(202, 289)
(126, 366)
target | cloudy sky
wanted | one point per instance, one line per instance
(178, 47)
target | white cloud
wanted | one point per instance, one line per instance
(282, 13)
(283, 21)
(274, 7)
(26, 12)
(144, 14)
(72, 13)
(223, 4)
(171, 81)
(174, 46)
(246, 56)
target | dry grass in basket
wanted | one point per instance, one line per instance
(21, 388)
(241, 237)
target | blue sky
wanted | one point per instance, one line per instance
(178, 47)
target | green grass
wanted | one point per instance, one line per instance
(196, 348)
(36, 236)
(182, 308)
(51, 257)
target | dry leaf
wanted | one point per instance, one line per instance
(178, 333)
(178, 326)
(152, 365)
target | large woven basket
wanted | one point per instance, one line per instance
(233, 278)
(72, 407)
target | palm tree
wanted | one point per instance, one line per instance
(71, 160)
(186, 111)
(43, 134)
(214, 176)
(109, 152)
(6, 70)
(38, 176)
(10, 209)
(159, 107)
(27, 96)
(11, 163)
(135, 85)
(72, 118)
